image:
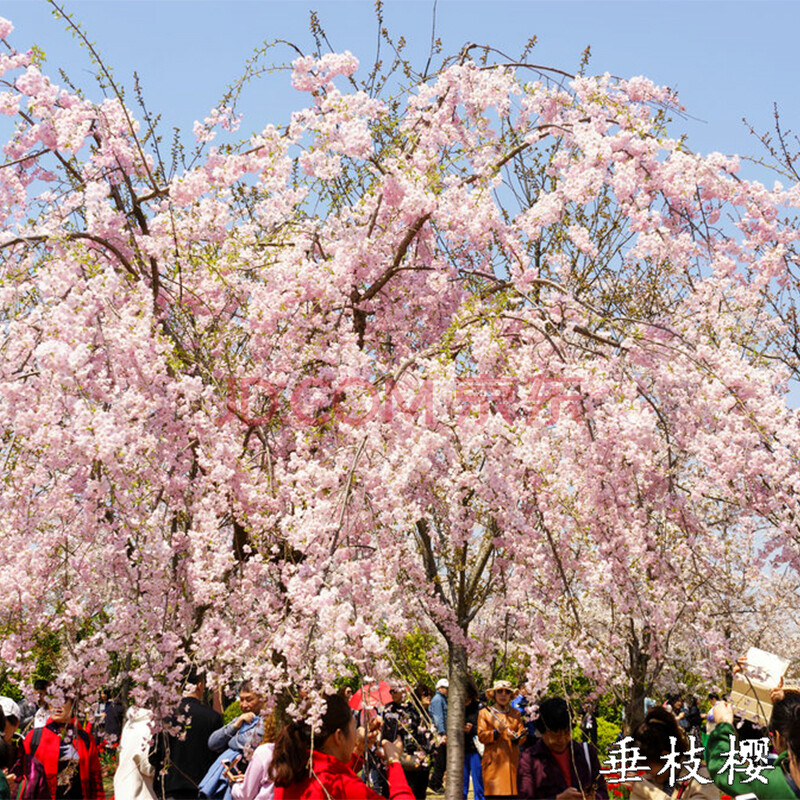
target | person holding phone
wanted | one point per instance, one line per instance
(501, 730)
(235, 742)
(332, 752)
(415, 733)
(254, 782)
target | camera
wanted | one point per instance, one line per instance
(391, 728)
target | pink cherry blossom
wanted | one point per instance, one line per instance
(505, 361)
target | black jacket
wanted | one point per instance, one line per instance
(182, 764)
(471, 715)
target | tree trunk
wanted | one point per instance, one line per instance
(126, 684)
(456, 703)
(634, 708)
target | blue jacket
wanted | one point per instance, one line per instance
(233, 743)
(438, 712)
(520, 702)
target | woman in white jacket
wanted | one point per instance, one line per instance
(133, 779)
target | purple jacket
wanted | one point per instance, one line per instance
(540, 777)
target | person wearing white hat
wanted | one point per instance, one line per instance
(13, 745)
(438, 712)
(500, 730)
(12, 714)
(9, 719)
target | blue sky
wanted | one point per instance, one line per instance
(727, 59)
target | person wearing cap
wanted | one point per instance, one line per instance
(9, 772)
(438, 712)
(8, 782)
(501, 730)
(12, 714)
(27, 773)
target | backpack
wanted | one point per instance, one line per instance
(34, 784)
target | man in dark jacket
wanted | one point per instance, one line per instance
(182, 763)
(555, 766)
(416, 737)
(589, 724)
(472, 758)
(694, 719)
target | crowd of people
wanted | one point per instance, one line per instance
(386, 741)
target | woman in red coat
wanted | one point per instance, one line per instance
(69, 756)
(331, 775)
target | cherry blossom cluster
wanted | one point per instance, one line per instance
(491, 223)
